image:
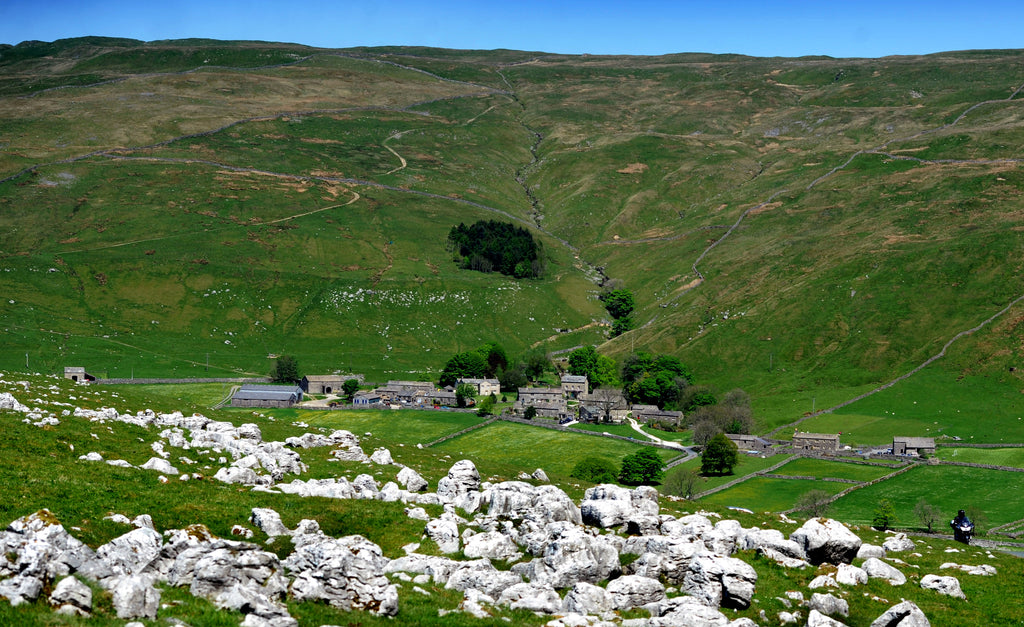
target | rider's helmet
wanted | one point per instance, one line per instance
(961, 514)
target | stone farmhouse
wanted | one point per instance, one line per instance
(327, 383)
(253, 395)
(484, 387)
(913, 446)
(574, 386)
(817, 442)
(404, 391)
(604, 405)
(749, 442)
(651, 413)
(77, 374)
(549, 402)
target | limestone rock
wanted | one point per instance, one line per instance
(760, 539)
(347, 573)
(492, 545)
(540, 475)
(719, 581)
(631, 591)
(445, 533)
(905, 614)
(870, 550)
(689, 612)
(949, 586)
(827, 540)
(586, 598)
(412, 480)
(268, 521)
(71, 596)
(382, 456)
(609, 505)
(830, 605)
(850, 575)
(897, 543)
(818, 619)
(482, 576)
(877, 569)
(135, 597)
(531, 596)
(160, 465)
(567, 555)
(461, 487)
(517, 500)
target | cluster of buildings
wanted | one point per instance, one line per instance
(828, 443)
(573, 400)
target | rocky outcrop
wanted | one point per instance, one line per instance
(824, 540)
(461, 487)
(610, 505)
(347, 573)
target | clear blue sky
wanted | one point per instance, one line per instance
(838, 28)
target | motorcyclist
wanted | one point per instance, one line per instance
(962, 526)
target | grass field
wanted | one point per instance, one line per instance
(995, 456)
(945, 487)
(762, 494)
(748, 464)
(810, 467)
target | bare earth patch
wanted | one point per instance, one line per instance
(633, 168)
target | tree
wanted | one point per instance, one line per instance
(885, 515)
(463, 394)
(619, 303)
(495, 356)
(814, 503)
(286, 370)
(536, 362)
(641, 467)
(606, 373)
(486, 407)
(350, 387)
(719, 456)
(682, 482)
(470, 364)
(583, 361)
(927, 513)
(513, 377)
(594, 470)
(530, 413)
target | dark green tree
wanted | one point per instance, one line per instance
(583, 361)
(470, 364)
(496, 357)
(350, 387)
(885, 515)
(486, 407)
(463, 394)
(286, 370)
(594, 470)
(513, 377)
(719, 456)
(536, 363)
(530, 413)
(642, 467)
(492, 246)
(619, 303)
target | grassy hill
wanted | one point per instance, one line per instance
(165, 205)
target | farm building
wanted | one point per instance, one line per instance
(407, 391)
(484, 387)
(749, 442)
(820, 442)
(540, 396)
(574, 386)
(77, 374)
(366, 398)
(651, 413)
(324, 383)
(603, 405)
(913, 446)
(251, 395)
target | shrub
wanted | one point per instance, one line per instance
(642, 467)
(594, 470)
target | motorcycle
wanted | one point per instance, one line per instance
(963, 531)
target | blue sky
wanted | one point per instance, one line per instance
(761, 28)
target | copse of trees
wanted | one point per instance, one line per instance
(492, 246)
(655, 380)
(732, 415)
(620, 304)
(286, 370)
(481, 363)
(600, 370)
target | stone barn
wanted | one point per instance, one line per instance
(252, 395)
(913, 446)
(324, 383)
(816, 442)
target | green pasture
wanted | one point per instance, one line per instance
(994, 456)
(503, 448)
(933, 403)
(404, 426)
(949, 488)
(762, 494)
(625, 431)
(820, 468)
(747, 465)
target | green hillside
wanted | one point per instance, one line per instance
(166, 205)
